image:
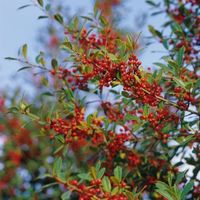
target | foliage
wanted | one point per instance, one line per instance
(103, 127)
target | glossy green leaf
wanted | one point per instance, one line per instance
(24, 50)
(186, 189)
(106, 184)
(180, 56)
(40, 2)
(59, 18)
(57, 165)
(118, 173)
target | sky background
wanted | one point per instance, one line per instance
(18, 27)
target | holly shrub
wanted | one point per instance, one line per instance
(100, 126)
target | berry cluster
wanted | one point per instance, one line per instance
(111, 112)
(133, 159)
(160, 120)
(117, 143)
(107, 39)
(69, 127)
(95, 189)
(139, 87)
(78, 132)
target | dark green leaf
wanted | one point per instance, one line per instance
(41, 3)
(125, 94)
(54, 63)
(59, 18)
(180, 177)
(152, 3)
(87, 18)
(103, 20)
(25, 6)
(23, 68)
(180, 56)
(42, 17)
(186, 189)
(10, 58)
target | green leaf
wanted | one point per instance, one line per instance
(69, 94)
(130, 42)
(87, 18)
(146, 110)
(118, 173)
(13, 110)
(177, 29)
(85, 176)
(155, 32)
(186, 189)
(60, 148)
(106, 184)
(157, 13)
(49, 185)
(57, 165)
(10, 58)
(103, 20)
(187, 140)
(47, 94)
(24, 50)
(197, 84)
(163, 66)
(43, 176)
(163, 189)
(93, 172)
(179, 82)
(115, 191)
(59, 18)
(48, 7)
(165, 43)
(25, 6)
(162, 186)
(33, 117)
(130, 117)
(100, 173)
(98, 165)
(165, 194)
(130, 195)
(173, 64)
(112, 56)
(180, 56)
(66, 195)
(60, 138)
(42, 17)
(40, 2)
(76, 22)
(67, 45)
(151, 2)
(54, 63)
(180, 177)
(23, 68)
(125, 94)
